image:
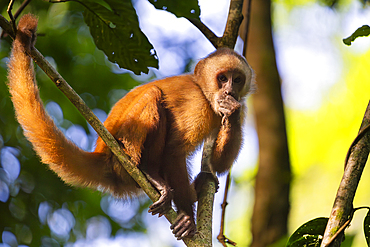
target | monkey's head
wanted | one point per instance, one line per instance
(225, 78)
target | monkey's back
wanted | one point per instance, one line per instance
(189, 116)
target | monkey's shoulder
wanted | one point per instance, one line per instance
(181, 92)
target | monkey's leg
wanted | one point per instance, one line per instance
(153, 155)
(145, 130)
(150, 165)
(184, 195)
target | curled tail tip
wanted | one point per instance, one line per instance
(26, 33)
(28, 22)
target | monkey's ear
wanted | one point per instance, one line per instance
(199, 67)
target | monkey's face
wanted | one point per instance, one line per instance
(230, 85)
(225, 79)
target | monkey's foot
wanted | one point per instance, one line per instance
(183, 226)
(163, 204)
(201, 178)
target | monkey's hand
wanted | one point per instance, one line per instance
(163, 204)
(183, 226)
(227, 106)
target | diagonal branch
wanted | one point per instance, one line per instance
(211, 36)
(343, 208)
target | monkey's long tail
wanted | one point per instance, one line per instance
(71, 163)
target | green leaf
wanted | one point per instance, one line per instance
(367, 228)
(360, 32)
(309, 234)
(115, 29)
(188, 9)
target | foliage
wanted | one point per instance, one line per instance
(188, 9)
(116, 31)
(360, 32)
(309, 234)
(367, 228)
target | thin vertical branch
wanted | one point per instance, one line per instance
(12, 19)
(234, 20)
(221, 236)
(247, 21)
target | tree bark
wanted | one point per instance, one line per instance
(271, 207)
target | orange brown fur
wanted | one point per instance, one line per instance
(158, 124)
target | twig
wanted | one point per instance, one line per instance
(221, 237)
(12, 19)
(342, 207)
(340, 230)
(21, 8)
(211, 36)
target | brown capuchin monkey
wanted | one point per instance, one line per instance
(157, 124)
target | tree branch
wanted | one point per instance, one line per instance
(230, 35)
(211, 36)
(6, 26)
(343, 204)
(234, 20)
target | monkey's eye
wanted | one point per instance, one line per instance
(222, 78)
(237, 80)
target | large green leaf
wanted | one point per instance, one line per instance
(360, 32)
(185, 8)
(309, 234)
(115, 28)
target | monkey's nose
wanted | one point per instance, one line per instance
(227, 92)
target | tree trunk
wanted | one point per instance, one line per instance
(271, 207)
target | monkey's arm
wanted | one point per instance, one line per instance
(225, 148)
(227, 144)
(229, 138)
